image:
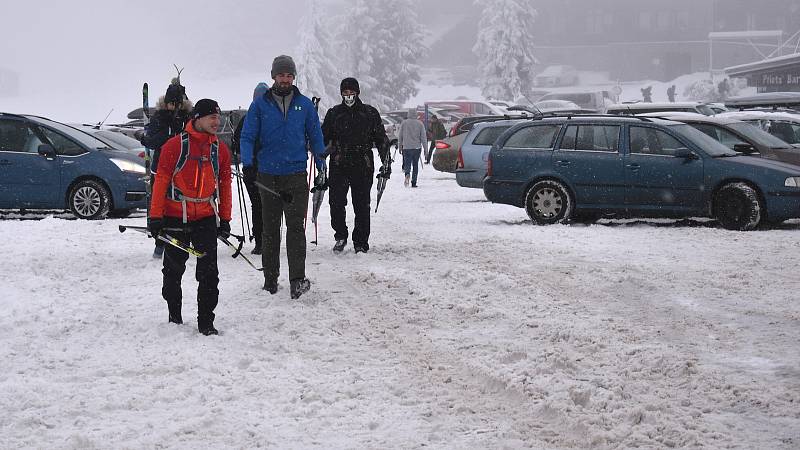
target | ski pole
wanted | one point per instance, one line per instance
(285, 196)
(177, 243)
(237, 251)
(242, 204)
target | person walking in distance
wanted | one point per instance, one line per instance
(281, 122)
(352, 128)
(436, 132)
(250, 173)
(192, 198)
(172, 113)
(411, 139)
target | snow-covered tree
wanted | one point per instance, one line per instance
(505, 48)
(383, 42)
(317, 74)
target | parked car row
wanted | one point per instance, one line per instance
(48, 165)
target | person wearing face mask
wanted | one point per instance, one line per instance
(280, 123)
(351, 130)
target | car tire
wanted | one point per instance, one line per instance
(738, 207)
(90, 200)
(548, 202)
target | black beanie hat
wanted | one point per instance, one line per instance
(175, 93)
(350, 84)
(205, 107)
(283, 64)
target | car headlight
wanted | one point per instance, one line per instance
(128, 166)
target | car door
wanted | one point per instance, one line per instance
(588, 157)
(27, 179)
(658, 180)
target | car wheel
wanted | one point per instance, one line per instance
(89, 199)
(548, 202)
(737, 207)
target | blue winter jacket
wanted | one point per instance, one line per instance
(283, 140)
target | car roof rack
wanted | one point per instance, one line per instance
(569, 116)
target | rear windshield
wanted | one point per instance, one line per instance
(487, 136)
(702, 140)
(84, 138)
(757, 135)
(125, 142)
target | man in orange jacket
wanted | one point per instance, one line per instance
(192, 198)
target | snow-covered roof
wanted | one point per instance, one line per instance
(770, 63)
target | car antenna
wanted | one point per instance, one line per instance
(100, 124)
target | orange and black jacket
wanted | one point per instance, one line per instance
(196, 179)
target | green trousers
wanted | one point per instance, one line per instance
(273, 211)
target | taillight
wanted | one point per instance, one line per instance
(442, 145)
(141, 155)
(460, 161)
(489, 166)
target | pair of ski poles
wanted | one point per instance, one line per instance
(164, 236)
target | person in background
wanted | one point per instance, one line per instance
(249, 175)
(436, 132)
(172, 113)
(411, 139)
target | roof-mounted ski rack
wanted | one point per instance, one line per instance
(570, 115)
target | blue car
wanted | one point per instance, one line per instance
(581, 168)
(48, 165)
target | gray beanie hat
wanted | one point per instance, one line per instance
(283, 64)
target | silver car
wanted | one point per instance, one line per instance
(474, 152)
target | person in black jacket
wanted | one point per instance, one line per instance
(172, 113)
(249, 174)
(351, 129)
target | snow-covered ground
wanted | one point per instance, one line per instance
(464, 327)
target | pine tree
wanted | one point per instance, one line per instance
(384, 42)
(316, 64)
(504, 48)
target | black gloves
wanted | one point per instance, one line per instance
(321, 181)
(224, 228)
(154, 226)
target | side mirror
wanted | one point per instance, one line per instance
(685, 153)
(47, 150)
(743, 148)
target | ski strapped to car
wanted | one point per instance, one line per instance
(163, 236)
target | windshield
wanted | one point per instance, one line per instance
(757, 135)
(83, 138)
(708, 144)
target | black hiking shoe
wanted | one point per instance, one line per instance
(271, 286)
(175, 318)
(256, 250)
(208, 330)
(361, 248)
(299, 287)
(339, 246)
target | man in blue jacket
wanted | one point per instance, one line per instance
(283, 122)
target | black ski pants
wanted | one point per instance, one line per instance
(202, 235)
(255, 201)
(273, 211)
(357, 179)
